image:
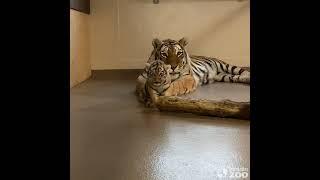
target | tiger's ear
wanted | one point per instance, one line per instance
(156, 43)
(183, 42)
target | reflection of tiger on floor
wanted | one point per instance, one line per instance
(187, 71)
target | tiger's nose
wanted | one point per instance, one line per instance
(173, 67)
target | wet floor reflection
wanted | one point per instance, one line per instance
(114, 137)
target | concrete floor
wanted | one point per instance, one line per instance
(115, 137)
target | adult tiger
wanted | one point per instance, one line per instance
(203, 69)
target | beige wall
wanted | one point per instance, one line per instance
(80, 66)
(121, 31)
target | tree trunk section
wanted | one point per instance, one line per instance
(225, 108)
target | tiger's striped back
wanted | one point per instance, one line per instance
(208, 70)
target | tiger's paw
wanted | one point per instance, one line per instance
(246, 79)
(190, 90)
(187, 91)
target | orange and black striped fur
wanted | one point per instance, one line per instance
(158, 83)
(201, 69)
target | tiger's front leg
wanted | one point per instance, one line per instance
(189, 83)
(140, 88)
(154, 96)
(181, 86)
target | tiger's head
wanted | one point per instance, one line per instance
(158, 73)
(172, 53)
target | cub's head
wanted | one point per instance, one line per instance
(171, 52)
(158, 73)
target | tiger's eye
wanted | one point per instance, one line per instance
(163, 54)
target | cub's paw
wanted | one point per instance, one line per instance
(149, 104)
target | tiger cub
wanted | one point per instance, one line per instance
(159, 83)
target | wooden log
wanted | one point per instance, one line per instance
(224, 108)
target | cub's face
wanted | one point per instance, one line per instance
(158, 73)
